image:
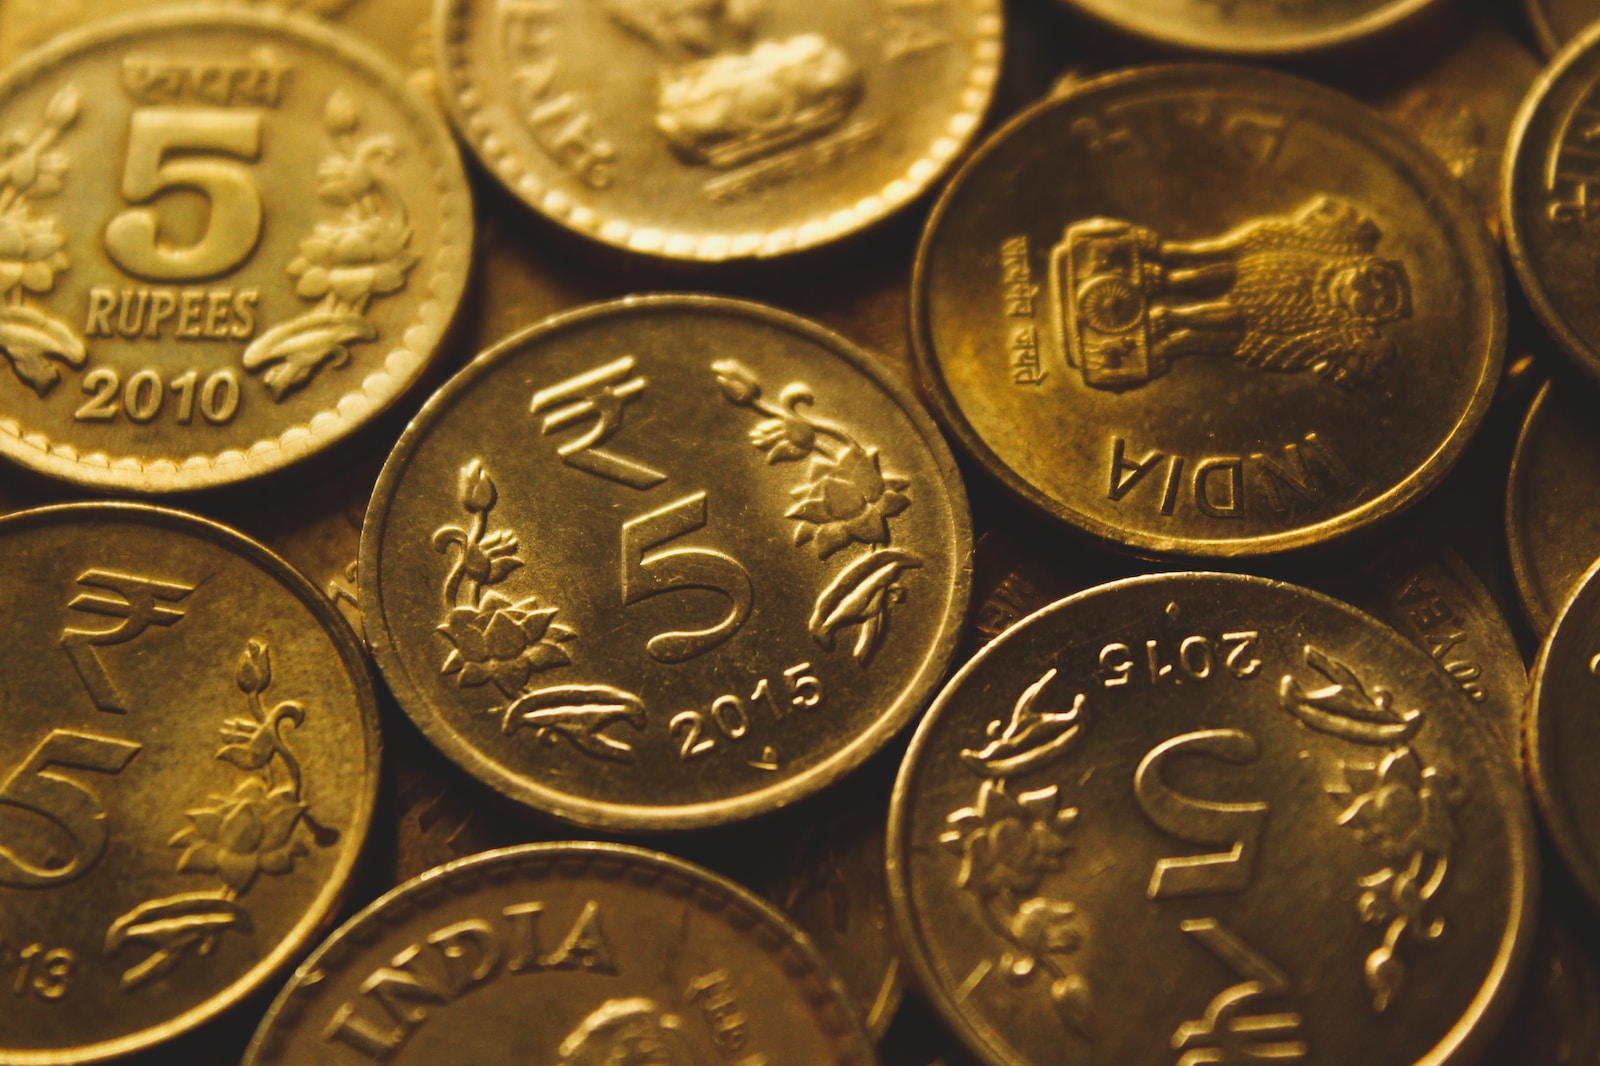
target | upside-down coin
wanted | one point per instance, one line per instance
(666, 562)
(265, 257)
(1207, 818)
(188, 767)
(596, 954)
(1205, 310)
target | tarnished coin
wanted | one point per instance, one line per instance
(1203, 818)
(188, 766)
(1563, 740)
(666, 562)
(228, 238)
(1254, 27)
(1555, 22)
(709, 129)
(1553, 501)
(1210, 311)
(1550, 225)
(567, 954)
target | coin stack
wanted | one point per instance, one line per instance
(778, 533)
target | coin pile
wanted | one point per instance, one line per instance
(750, 532)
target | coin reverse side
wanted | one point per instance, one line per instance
(228, 238)
(1204, 310)
(188, 765)
(567, 954)
(666, 562)
(1192, 816)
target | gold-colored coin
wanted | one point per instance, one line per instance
(228, 238)
(188, 767)
(1549, 178)
(1206, 310)
(1260, 28)
(666, 562)
(1553, 501)
(1563, 741)
(596, 954)
(1556, 22)
(712, 130)
(1194, 816)
(1557, 1020)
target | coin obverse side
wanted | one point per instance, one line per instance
(603, 953)
(188, 767)
(1552, 502)
(228, 238)
(708, 130)
(1205, 310)
(1547, 184)
(1189, 817)
(666, 562)
(1556, 22)
(1253, 27)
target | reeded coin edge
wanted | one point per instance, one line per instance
(479, 128)
(401, 366)
(597, 814)
(1447, 195)
(1461, 1044)
(1584, 355)
(1540, 615)
(711, 892)
(1372, 24)
(1544, 699)
(325, 907)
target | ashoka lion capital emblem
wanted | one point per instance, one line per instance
(1287, 293)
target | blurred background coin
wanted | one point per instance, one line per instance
(1255, 28)
(1555, 22)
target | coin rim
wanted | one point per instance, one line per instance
(458, 77)
(1452, 208)
(1544, 33)
(360, 404)
(1486, 1010)
(1374, 23)
(1538, 613)
(597, 814)
(326, 904)
(545, 861)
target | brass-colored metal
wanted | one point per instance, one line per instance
(1552, 501)
(1255, 28)
(1212, 311)
(570, 954)
(188, 768)
(223, 258)
(705, 130)
(1556, 1022)
(1556, 22)
(1206, 813)
(665, 563)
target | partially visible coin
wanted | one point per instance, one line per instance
(1205, 310)
(710, 130)
(1555, 22)
(1191, 817)
(1254, 27)
(264, 256)
(1553, 501)
(665, 563)
(566, 954)
(1557, 1019)
(188, 767)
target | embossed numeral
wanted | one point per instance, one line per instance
(36, 786)
(646, 574)
(1205, 822)
(134, 238)
(41, 970)
(730, 716)
(144, 397)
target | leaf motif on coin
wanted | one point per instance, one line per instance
(259, 828)
(1008, 842)
(1399, 806)
(30, 248)
(496, 640)
(344, 264)
(845, 499)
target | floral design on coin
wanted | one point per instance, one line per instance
(344, 264)
(1008, 843)
(1286, 293)
(845, 499)
(1399, 806)
(495, 640)
(30, 248)
(257, 829)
